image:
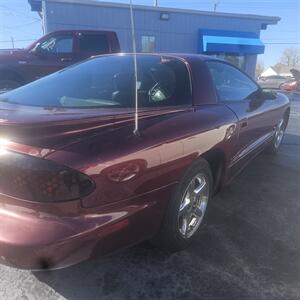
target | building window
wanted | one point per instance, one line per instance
(237, 60)
(148, 43)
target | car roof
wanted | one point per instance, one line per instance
(184, 56)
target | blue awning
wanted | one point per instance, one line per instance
(235, 42)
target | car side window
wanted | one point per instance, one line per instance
(93, 43)
(59, 44)
(163, 82)
(231, 84)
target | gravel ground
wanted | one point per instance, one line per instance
(249, 250)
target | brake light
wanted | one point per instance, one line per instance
(292, 83)
(39, 180)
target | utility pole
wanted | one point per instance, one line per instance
(12, 42)
(155, 3)
(216, 5)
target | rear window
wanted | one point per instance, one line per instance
(109, 82)
(93, 43)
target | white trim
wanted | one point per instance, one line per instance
(264, 19)
(250, 148)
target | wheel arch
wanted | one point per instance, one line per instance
(216, 159)
(287, 116)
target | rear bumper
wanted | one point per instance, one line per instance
(30, 240)
(35, 240)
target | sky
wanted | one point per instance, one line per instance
(17, 22)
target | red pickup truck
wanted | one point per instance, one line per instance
(51, 53)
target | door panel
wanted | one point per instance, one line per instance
(255, 125)
(242, 95)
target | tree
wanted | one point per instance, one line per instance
(259, 68)
(290, 57)
(279, 67)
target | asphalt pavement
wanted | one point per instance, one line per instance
(250, 248)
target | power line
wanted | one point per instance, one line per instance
(291, 39)
(25, 40)
(281, 43)
(18, 12)
(21, 25)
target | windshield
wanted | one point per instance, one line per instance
(109, 82)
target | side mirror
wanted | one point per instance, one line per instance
(267, 94)
(259, 97)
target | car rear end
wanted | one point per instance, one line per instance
(51, 215)
(40, 211)
(292, 85)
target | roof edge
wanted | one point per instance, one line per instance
(265, 19)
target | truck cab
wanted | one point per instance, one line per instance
(51, 53)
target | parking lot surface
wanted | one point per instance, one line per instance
(250, 248)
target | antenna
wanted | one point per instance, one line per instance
(216, 5)
(136, 114)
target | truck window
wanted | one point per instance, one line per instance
(57, 44)
(93, 43)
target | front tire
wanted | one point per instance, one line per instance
(278, 136)
(187, 209)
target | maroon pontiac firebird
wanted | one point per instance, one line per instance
(77, 181)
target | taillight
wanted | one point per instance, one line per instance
(36, 179)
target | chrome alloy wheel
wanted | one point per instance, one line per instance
(193, 206)
(279, 132)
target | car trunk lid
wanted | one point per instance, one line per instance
(30, 128)
(39, 131)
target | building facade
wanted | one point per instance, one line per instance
(234, 37)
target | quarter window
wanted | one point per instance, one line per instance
(231, 84)
(93, 43)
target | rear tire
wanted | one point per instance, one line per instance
(187, 210)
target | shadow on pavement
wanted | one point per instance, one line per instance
(291, 139)
(250, 249)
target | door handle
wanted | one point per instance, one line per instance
(66, 59)
(244, 123)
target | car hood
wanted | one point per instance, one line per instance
(12, 54)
